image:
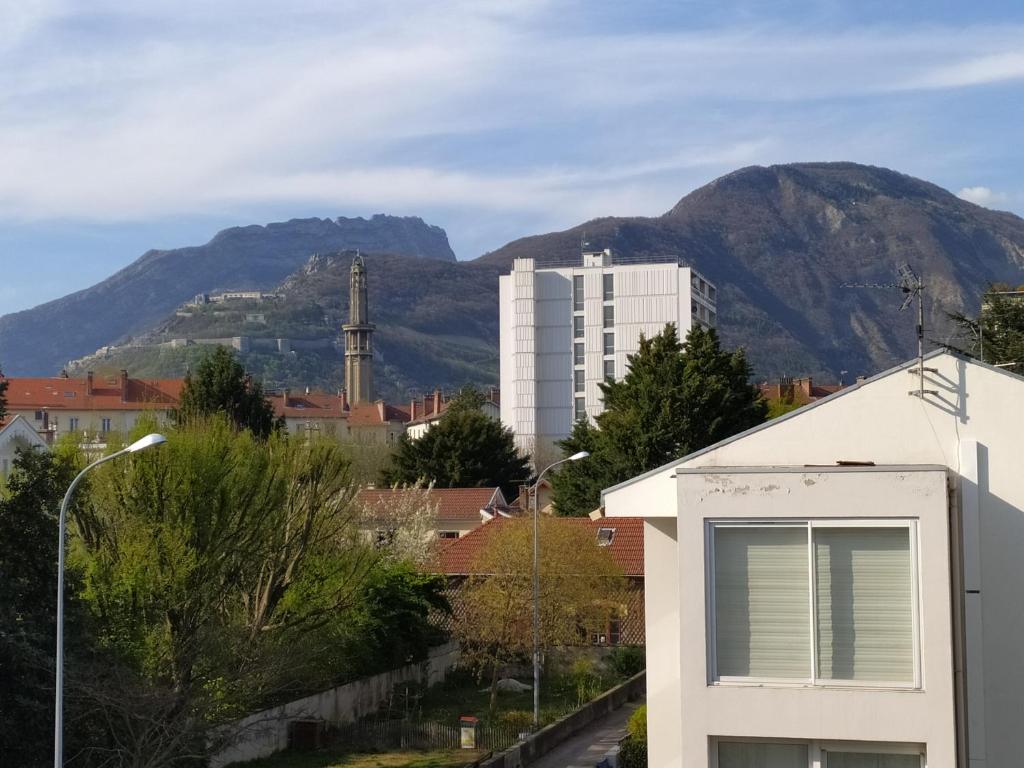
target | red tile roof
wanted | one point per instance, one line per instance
(319, 405)
(626, 548)
(59, 393)
(365, 414)
(452, 503)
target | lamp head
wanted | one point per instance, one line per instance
(578, 456)
(146, 442)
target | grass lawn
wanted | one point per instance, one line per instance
(335, 759)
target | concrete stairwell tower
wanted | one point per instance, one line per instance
(358, 335)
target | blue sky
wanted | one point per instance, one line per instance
(128, 126)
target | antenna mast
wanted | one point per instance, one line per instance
(913, 287)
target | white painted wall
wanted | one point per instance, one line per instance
(878, 421)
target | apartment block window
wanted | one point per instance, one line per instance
(447, 534)
(608, 285)
(577, 381)
(703, 287)
(577, 354)
(815, 602)
(609, 316)
(609, 344)
(712, 293)
(609, 370)
(577, 326)
(105, 425)
(73, 423)
(712, 319)
(869, 759)
(581, 408)
(577, 293)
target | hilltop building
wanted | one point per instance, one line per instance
(841, 585)
(567, 327)
(358, 336)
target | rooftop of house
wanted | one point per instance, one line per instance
(802, 390)
(624, 537)
(463, 504)
(93, 393)
(432, 407)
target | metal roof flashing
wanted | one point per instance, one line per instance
(810, 469)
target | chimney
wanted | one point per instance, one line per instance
(124, 385)
(413, 410)
(343, 400)
(861, 378)
(287, 395)
(805, 386)
(426, 405)
(381, 409)
(88, 383)
(493, 395)
(437, 401)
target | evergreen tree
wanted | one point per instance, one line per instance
(675, 399)
(221, 385)
(996, 335)
(28, 616)
(3, 396)
(465, 449)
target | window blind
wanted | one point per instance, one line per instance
(870, 760)
(864, 604)
(762, 602)
(734, 754)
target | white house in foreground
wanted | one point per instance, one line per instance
(17, 434)
(843, 586)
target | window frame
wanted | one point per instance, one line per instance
(607, 349)
(811, 524)
(608, 316)
(817, 750)
(579, 381)
(608, 286)
(579, 413)
(578, 294)
(578, 327)
(578, 353)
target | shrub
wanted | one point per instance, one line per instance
(518, 719)
(633, 754)
(585, 679)
(637, 726)
(628, 660)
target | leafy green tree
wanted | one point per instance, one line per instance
(221, 385)
(465, 449)
(996, 334)
(675, 399)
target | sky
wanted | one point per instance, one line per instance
(126, 126)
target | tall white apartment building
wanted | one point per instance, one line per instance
(567, 327)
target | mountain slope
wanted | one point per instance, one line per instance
(437, 325)
(40, 340)
(780, 243)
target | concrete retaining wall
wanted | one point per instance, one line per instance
(264, 733)
(551, 736)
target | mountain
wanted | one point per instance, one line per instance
(437, 325)
(782, 242)
(779, 242)
(39, 341)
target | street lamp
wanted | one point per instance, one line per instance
(536, 584)
(58, 716)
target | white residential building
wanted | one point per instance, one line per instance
(566, 328)
(842, 585)
(17, 434)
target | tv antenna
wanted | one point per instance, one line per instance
(912, 287)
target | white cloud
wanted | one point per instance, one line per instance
(112, 112)
(983, 196)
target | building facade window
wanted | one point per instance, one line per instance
(105, 425)
(816, 602)
(447, 534)
(577, 326)
(578, 380)
(609, 370)
(733, 753)
(581, 408)
(608, 286)
(609, 316)
(609, 344)
(577, 353)
(712, 293)
(577, 293)
(73, 424)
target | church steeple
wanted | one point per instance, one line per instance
(358, 335)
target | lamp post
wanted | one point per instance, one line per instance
(58, 716)
(536, 584)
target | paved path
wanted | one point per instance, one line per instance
(589, 745)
